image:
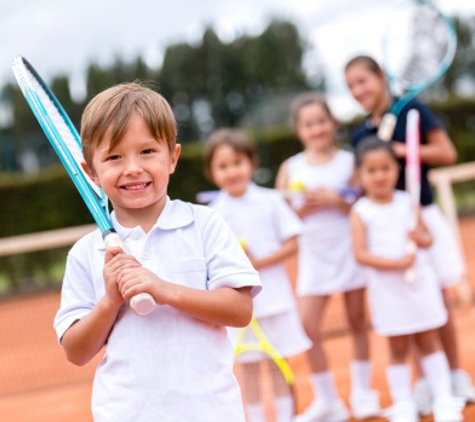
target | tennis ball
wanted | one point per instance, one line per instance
(296, 186)
(243, 244)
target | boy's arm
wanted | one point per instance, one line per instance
(222, 306)
(86, 337)
(364, 257)
(287, 249)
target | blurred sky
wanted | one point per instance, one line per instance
(62, 37)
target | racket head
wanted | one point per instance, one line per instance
(265, 379)
(419, 44)
(62, 135)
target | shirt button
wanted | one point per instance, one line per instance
(145, 255)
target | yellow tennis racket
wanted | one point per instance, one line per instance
(265, 378)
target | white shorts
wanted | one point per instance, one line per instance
(444, 254)
(284, 332)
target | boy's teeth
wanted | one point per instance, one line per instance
(136, 187)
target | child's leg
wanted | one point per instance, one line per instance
(399, 372)
(434, 363)
(399, 379)
(364, 401)
(283, 400)
(327, 405)
(355, 313)
(460, 379)
(437, 374)
(312, 309)
(448, 336)
(356, 316)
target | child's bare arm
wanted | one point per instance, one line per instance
(287, 249)
(86, 337)
(364, 257)
(223, 306)
(281, 181)
(438, 151)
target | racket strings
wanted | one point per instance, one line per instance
(418, 43)
(429, 47)
(264, 390)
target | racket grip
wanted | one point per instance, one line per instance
(410, 275)
(142, 303)
(386, 127)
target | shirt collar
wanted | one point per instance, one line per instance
(249, 194)
(174, 215)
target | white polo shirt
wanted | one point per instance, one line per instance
(166, 366)
(263, 219)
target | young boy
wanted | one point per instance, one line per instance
(174, 364)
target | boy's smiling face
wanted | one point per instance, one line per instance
(135, 173)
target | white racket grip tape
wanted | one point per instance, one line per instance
(143, 303)
(386, 127)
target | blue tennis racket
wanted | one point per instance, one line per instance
(66, 142)
(419, 45)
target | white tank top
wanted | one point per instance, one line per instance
(337, 175)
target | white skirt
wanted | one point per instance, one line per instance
(328, 267)
(284, 332)
(444, 254)
(401, 308)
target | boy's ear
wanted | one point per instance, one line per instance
(91, 173)
(174, 158)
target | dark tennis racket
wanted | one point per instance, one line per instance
(419, 45)
(66, 142)
(264, 376)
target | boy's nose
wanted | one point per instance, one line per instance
(132, 166)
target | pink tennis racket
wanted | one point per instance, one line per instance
(413, 178)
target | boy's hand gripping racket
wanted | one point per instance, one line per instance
(264, 376)
(66, 142)
(413, 179)
(419, 45)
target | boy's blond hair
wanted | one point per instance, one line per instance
(110, 111)
(236, 139)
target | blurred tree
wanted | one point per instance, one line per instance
(212, 83)
(461, 73)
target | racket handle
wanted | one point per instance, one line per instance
(386, 127)
(410, 275)
(142, 303)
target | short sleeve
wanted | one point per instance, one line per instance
(287, 222)
(77, 295)
(227, 264)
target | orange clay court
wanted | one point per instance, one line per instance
(38, 385)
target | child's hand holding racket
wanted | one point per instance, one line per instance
(134, 280)
(407, 261)
(421, 236)
(115, 261)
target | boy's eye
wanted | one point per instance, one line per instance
(148, 151)
(112, 157)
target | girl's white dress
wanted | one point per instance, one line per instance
(326, 262)
(398, 307)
